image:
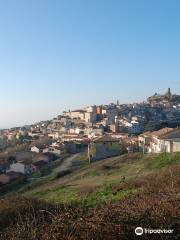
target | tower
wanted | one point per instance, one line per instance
(168, 94)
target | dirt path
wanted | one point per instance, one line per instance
(66, 164)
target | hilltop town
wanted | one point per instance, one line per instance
(98, 131)
(93, 173)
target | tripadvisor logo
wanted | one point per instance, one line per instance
(140, 231)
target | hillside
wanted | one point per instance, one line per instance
(95, 183)
(105, 200)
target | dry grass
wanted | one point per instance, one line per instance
(155, 206)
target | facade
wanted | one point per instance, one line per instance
(4, 179)
(94, 132)
(176, 145)
(110, 113)
(4, 167)
(76, 114)
(55, 135)
(164, 140)
(131, 127)
(104, 147)
(90, 117)
(35, 149)
(24, 168)
(53, 149)
(39, 165)
(135, 127)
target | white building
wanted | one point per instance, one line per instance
(76, 114)
(90, 117)
(164, 140)
(35, 149)
(94, 132)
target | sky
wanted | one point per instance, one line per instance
(58, 55)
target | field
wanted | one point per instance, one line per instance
(105, 200)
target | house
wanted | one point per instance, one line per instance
(39, 165)
(23, 155)
(163, 140)
(47, 157)
(4, 167)
(56, 150)
(4, 179)
(38, 148)
(23, 167)
(135, 127)
(90, 114)
(90, 117)
(14, 175)
(74, 147)
(110, 112)
(104, 147)
(144, 141)
(76, 114)
(132, 127)
(94, 132)
(35, 149)
(10, 176)
(175, 145)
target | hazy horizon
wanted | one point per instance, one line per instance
(51, 115)
(60, 55)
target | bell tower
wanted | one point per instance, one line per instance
(169, 95)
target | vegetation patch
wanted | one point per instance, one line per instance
(58, 195)
(136, 195)
(163, 160)
(155, 207)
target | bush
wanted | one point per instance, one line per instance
(63, 173)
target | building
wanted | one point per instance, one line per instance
(39, 165)
(4, 179)
(10, 176)
(135, 127)
(4, 167)
(94, 132)
(47, 157)
(90, 117)
(131, 127)
(110, 113)
(38, 149)
(54, 149)
(76, 114)
(104, 147)
(163, 140)
(168, 97)
(23, 167)
(75, 147)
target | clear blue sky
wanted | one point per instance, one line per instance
(65, 54)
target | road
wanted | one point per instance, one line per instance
(66, 164)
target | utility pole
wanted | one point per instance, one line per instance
(143, 148)
(89, 156)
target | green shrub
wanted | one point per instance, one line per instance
(163, 160)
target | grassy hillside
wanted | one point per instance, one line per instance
(96, 182)
(106, 200)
